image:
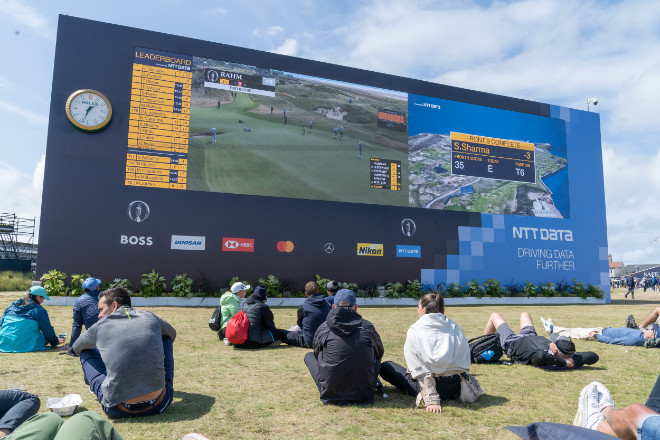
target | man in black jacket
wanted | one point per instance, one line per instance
(527, 347)
(347, 354)
(311, 314)
(261, 332)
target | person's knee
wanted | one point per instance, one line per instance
(637, 411)
(496, 317)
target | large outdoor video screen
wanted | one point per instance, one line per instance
(222, 161)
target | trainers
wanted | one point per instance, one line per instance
(631, 323)
(548, 324)
(588, 414)
(226, 341)
(604, 397)
(194, 436)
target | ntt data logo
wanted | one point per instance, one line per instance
(370, 249)
(188, 243)
(285, 246)
(237, 244)
(408, 251)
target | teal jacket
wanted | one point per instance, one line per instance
(229, 306)
(25, 326)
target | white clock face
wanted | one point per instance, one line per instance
(89, 110)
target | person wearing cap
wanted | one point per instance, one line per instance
(527, 347)
(25, 325)
(311, 314)
(609, 335)
(262, 331)
(85, 309)
(437, 354)
(331, 288)
(347, 353)
(230, 302)
(127, 358)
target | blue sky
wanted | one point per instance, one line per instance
(559, 52)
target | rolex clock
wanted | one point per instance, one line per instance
(89, 110)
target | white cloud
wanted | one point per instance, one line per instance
(22, 192)
(631, 190)
(34, 117)
(27, 16)
(268, 32)
(216, 12)
(289, 47)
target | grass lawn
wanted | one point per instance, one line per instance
(227, 393)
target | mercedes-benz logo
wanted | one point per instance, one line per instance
(138, 211)
(329, 248)
(408, 227)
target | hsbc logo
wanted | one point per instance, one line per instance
(135, 240)
(237, 244)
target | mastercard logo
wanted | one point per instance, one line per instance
(285, 246)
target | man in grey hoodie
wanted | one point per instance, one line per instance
(127, 358)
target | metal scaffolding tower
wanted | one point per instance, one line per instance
(17, 238)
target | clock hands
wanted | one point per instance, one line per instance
(87, 112)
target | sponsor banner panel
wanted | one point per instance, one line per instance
(188, 243)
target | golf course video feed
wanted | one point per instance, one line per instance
(260, 131)
(465, 157)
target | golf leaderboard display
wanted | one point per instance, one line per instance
(385, 174)
(210, 143)
(157, 154)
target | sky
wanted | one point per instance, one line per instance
(559, 52)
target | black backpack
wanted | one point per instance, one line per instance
(481, 346)
(216, 319)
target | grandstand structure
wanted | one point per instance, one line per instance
(17, 248)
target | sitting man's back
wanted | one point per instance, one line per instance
(347, 354)
(133, 361)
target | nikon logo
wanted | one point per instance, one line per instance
(370, 249)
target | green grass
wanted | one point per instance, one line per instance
(222, 392)
(277, 160)
(15, 281)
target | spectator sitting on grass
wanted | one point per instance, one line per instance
(331, 288)
(527, 347)
(262, 332)
(436, 352)
(25, 325)
(85, 309)
(230, 303)
(311, 314)
(347, 353)
(127, 358)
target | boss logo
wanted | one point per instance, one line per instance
(135, 240)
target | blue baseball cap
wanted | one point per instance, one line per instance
(345, 295)
(39, 291)
(91, 284)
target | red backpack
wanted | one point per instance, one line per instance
(236, 330)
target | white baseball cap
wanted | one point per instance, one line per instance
(237, 287)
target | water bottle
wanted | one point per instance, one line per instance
(488, 354)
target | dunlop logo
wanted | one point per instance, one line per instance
(370, 249)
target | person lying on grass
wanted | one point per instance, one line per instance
(526, 347)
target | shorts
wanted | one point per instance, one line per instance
(508, 337)
(648, 427)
